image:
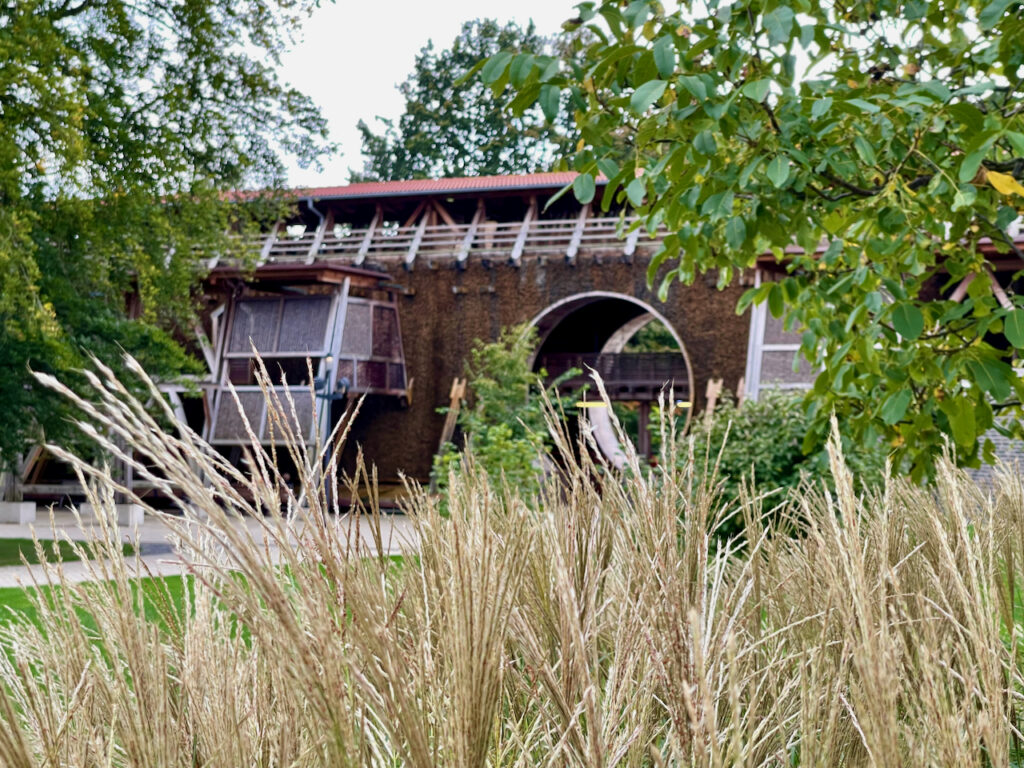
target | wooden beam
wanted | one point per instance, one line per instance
(318, 239)
(445, 216)
(415, 214)
(515, 259)
(364, 247)
(206, 348)
(414, 246)
(268, 244)
(467, 241)
(577, 235)
(961, 289)
(997, 290)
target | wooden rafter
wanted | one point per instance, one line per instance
(415, 214)
(268, 244)
(577, 234)
(417, 238)
(364, 247)
(515, 259)
(445, 216)
(467, 241)
(318, 238)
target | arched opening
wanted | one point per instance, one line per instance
(634, 348)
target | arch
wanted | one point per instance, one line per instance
(549, 319)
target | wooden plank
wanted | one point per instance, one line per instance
(467, 241)
(207, 350)
(998, 292)
(414, 246)
(516, 257)
(364, 247)
(577, 234)
(268, 244)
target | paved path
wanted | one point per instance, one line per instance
(159, 556)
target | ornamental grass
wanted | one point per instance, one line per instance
(599, 623)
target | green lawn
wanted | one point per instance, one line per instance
(163, 601)
(11, 551)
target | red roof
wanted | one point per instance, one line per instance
(444, 186)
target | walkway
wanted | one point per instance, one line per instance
(159, 557)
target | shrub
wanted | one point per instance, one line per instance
(504, 423)
(761, 441)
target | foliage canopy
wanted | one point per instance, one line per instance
(884, 140)
(455, 126)
(120, 125)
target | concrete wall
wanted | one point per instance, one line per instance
(445, 310)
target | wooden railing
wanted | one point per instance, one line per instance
(487, 240)
(626, 375)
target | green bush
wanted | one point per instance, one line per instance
(504, 422)
(760, 442)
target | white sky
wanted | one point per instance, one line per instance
(354, 54)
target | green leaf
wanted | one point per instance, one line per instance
(646, 95)
(704, 142)
(779, 24)
(757, 89)
(908, 321)
(718, 205)
(821, 107)
(665, 56)
(1013, 328)
(635, 191)
(549, 97)
(960, 413)
(864, 150)
(895, 406)
(992, 376)
(583, 187)
(520, 69)
(969, 167)
(736, 232)
(778, 170)
(495, 67)
(993, 13)
(776, 301)
(695, 86)
(865, 106)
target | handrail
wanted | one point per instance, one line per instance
(543, 237)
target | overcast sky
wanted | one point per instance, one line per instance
(354, 54)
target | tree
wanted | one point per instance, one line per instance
(888, 133)
(121, 123)
(454, 126)
(505, 427)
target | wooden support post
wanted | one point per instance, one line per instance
(711, 394)
(206, 348)
(268, 244)
(364, 247)
(414, 246)
(515, 259)
(318, 239)
(467, 241)
(998, 292)
(577, 235)
(455, 397)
